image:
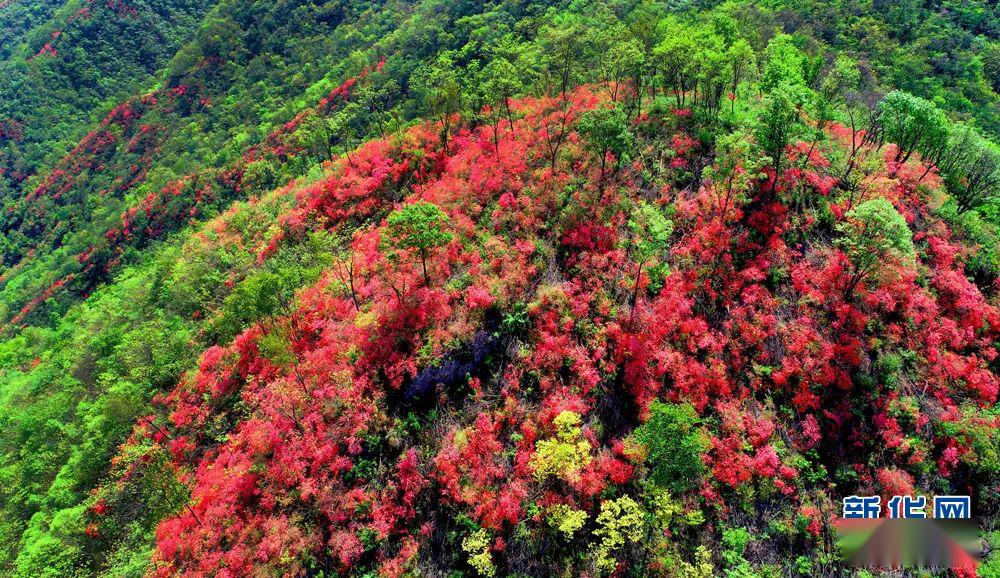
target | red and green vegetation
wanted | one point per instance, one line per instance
(514, 288)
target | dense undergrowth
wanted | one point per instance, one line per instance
(508, 289)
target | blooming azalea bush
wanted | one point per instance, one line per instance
(570, 333)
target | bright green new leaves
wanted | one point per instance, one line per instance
(651, 229)
(783, 82)
(440, 85)
(911, 122)
(780, 119)
(498, 82)
(501, 82)
(785, 64)
(607, 131)
(697, 61)
(843, 77)
(875, 230)
(873, 234)
(737, 166)
(702, 566)
(741, 65)
(675, 58)
(970, 165)
(651, 232)
(566, 454)
(477, 546)
(623, 60)
(620, 521)
(418, 226)
(566, 520)
(673, 445)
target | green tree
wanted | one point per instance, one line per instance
(911, 122)
(441, 88)
(784, 64)
(741, 65)
(970, 166)
(737, 166)
(346, 127)
(711, 71)
(674, 446)
(991, 65)
(607, 131)
(843, 76)
(874, 234)
(863, 118)
(418, 226)
(377, 97)
(499, 82)
(779, 119)
(675, 57)
(258, 296)
(565, 50)
(651, 231)
(622, 58)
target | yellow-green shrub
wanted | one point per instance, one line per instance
(620, 521)
(566, 454)
(477, 546)
(567, 520)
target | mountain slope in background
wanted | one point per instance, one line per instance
(514, 288)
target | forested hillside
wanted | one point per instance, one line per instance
(510, 288)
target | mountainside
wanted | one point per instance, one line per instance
(518, 288)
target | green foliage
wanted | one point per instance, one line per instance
(913, 123)
(442, 90)
(500, 81)
(738, 166)
(80, 373)
(566, 519)
(675, 56)
(52, 545)
(256, 297)
(701, 567)
(970, 165)
(651, 229)
(651, 232)
(843, 79)
(622, 59)
(983, 440)
(734, 545)
(673, 445)
(477, 546)
(990, 567)
(984, 263)
(784, 64)
(418, 226)
(780, 119)
(619, 522)
(564, 455)
(804, 566)
(607, 131)
(874, 233)
(91, 64)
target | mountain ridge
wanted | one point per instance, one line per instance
(508, 289)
